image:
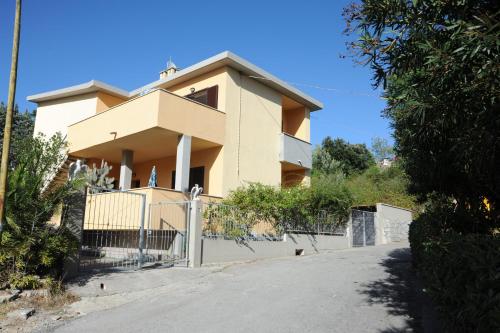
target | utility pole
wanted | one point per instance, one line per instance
(10, 111)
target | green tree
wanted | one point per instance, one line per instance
(353, 158)
(438, 61)
(324, 163)
(23, 124)
(381, 149)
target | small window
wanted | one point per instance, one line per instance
(207, 96)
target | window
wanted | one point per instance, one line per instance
(206, 96)
(196, 176)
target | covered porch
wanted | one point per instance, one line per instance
(133, 158)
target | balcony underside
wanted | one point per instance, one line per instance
(151, 144)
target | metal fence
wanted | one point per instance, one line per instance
(325, 223)
(167, 232)
(230, 222)
(113, 230)
(120, 231)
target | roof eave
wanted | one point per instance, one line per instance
(80, 89)
(227, 58)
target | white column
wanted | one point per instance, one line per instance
(126, 169)
(182, 163)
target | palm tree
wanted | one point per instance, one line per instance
(8, 117)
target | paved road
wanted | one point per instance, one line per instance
(356, 290)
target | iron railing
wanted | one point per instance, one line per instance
(113, 230)
(119, 233)
(230, 222)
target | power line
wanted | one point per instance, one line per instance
(342, 91)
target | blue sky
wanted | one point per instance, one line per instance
(127, 43)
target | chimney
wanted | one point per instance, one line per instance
(171, 69)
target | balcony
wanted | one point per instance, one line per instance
(295, 152)
(148, 125)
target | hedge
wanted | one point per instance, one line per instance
(461, 273)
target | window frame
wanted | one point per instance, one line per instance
(212, 100)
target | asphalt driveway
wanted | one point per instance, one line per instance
(370, 289)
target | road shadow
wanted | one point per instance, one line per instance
(84, 277)
(402, 293)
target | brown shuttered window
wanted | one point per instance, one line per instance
(206, 96)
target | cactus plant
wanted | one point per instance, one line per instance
(97, 179)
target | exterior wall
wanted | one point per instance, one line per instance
(55, 116)
(106, 101)
(293, 177)
(217, 77)
(296, 122)
(391, 224)
(252, 129)
(253, 126)
(221, 250)
(249, 127)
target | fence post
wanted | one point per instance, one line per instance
(317, 221)
(364, 229)
(141, 230)
(195, 233)
(179, 241)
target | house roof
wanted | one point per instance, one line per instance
(84, 88)
(225, 58)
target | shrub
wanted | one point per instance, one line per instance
(462, 275)
(330, 193)
(460, 272)
(382, 185)
(281, 206)
(31, 247)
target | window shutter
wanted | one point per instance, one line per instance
(212, 96)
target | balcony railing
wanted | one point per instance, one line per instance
(295, 151)
(158, 109)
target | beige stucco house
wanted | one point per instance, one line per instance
(219, 123)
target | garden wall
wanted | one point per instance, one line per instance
(391, 224)
(223, 250)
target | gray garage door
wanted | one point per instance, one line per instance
(363, 228)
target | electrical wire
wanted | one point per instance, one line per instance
(342, 91)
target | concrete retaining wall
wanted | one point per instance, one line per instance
(221, 250)
(391, 223)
